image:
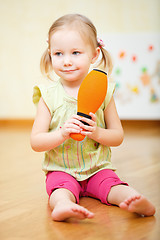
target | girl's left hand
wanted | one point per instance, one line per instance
(90, 130)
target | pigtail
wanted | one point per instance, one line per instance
(46, 64)
(106, 61)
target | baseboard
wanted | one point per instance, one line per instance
(141, 123)
(16, 122)
(126, 123)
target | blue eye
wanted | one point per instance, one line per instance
(76, 53)
(58, 54)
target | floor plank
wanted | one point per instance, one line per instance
(24, 211)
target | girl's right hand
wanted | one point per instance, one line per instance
(72, 125)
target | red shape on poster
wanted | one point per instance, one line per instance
(150, 47)
(134, 58)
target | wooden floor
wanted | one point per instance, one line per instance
(24, 211)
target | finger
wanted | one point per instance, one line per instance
(73, 130)
(77, 117)
(74, 122)
(73, 126)
(93, 116)
(85, 133)
(89, 121)
(77, 122)
(88, 128)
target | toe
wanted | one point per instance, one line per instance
(123, 205)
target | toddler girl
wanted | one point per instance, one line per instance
(73, 168)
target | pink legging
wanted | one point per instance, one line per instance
(97, 186)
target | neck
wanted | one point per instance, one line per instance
(71, 84)
(73, 92)
(71, 88)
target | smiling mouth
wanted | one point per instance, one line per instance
(69, 71)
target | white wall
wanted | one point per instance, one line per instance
(23, 31)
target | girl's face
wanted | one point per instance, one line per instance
(71, 55)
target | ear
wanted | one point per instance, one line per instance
(95, 55)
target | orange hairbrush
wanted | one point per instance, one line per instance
(91, 95)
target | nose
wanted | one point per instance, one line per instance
(67, 61)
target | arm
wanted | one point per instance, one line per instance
(41, 139)
(113, 135)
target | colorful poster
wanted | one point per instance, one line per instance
(136, 59)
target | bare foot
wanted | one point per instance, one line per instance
(63, 211)
(138, 204)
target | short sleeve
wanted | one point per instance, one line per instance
(110, 91)
(42, 91)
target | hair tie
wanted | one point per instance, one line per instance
(100, 43)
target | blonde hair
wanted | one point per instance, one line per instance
(87, 30)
